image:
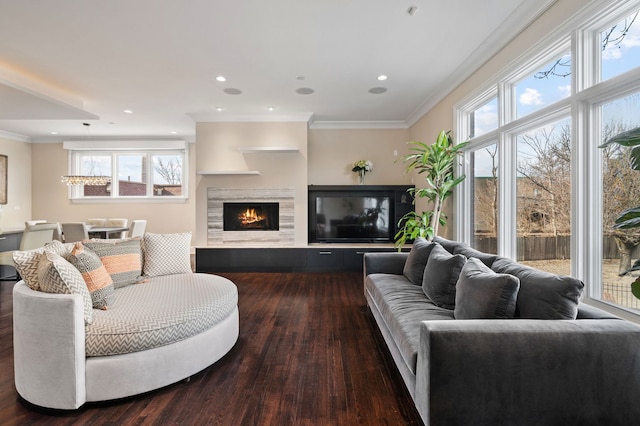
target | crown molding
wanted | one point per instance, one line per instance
(14, 136)
(337, 125)
(208, 117)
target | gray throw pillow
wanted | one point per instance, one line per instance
(417, 260)
(542, 295)
(441, 275)
(448, 245)
(469, 252)
(482, 293)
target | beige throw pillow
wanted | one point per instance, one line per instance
(56, 275)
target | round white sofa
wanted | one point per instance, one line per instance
(53, 370)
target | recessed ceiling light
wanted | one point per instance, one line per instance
(221, 78)
(219, 109)
(304, 91)
(127, 111)
(300, 77)
(54, 133)
(173, 132)
(271, 108)
(232, 91)
(377, 90)
(382, 77)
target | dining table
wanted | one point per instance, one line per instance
(105, 232)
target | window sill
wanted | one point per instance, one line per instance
(129, 200)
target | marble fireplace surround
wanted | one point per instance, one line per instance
(216, 236)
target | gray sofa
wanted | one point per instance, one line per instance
(499, 343)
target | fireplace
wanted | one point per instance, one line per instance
(284, 221)
(250, 216)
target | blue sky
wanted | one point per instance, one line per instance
(532, 94)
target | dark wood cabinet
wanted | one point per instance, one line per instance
(302, 259)
(9, 241)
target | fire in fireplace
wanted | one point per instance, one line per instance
(250, 216)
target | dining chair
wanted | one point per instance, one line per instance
(100, 222)
(137, 228)
(57, 234)
(118, 223)
(33, 237)
(75, 231)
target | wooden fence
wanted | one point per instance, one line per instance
(548, 247)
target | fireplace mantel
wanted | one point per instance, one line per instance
(217, 236)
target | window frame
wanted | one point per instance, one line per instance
(580, 35)
(76, 149)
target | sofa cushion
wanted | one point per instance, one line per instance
(441, 276)
(449, 245)
(469, 252)
(163, 311)
(403, 306)
(122, 258)
(95, 275)
(166, 254)
(417, 260)
(57, 275)
(542, 295)
(482, 293)
(26, 261)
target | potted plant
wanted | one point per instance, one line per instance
(630, 218)
(436, 163)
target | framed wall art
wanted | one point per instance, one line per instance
(3, 178)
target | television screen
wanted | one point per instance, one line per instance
(355, 218)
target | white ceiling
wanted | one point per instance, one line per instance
(66, 62)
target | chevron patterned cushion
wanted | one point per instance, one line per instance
(121, 258)
(27, 261)
(167, 309)
(95, 275)
(56, 275)
(166, 254)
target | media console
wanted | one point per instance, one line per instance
(345, 222)
(320, 258)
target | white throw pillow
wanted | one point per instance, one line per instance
(166, 254)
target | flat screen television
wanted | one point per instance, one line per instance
(353, 214)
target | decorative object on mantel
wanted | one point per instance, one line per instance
(362, 167)
(85, 180)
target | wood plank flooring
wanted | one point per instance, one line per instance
(308, 354)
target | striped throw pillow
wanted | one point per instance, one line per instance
(98, 280)
(121, 258)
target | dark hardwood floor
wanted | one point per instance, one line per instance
(308, 354)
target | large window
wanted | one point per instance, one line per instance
(133, 173)
(620, 191)
(548, 84)
(543, 197)
(538, 182)
(484, 187)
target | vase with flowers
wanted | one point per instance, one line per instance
(362, 167)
